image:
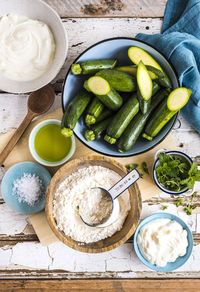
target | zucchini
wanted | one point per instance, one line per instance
(92, 66)
(120, 81)
(155, 88)
(121, 120)
(144, 87)
(134, 129)
(105, 93)
(131, 70)
(166, 110)
(137, 54)
(96, 131)
(161, 77)
(106, 113)
(94, 110)
(73, 111)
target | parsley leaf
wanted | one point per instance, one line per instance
(145, 167)
(131, 166)
(188, 209)
(163, 207)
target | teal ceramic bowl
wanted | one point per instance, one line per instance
(116, 48)
(180, 260)
(16, 172)
(32, 144)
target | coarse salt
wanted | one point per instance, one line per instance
(28, 188)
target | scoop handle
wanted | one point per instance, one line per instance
(124, 183)
(16, 136)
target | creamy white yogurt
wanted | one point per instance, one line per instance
(26, 47)
(162, 241)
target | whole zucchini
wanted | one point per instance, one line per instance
(161, 77)
(92, 66)
(73, 111)
(134, 129)
(93, 111)
(120, 81)
(96, 131)
(121, 119)
(106, 113)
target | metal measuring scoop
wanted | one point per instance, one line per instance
(113, 193)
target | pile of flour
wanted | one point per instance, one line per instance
(73, 191)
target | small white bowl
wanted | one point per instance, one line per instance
(37, 10)
(32, 144)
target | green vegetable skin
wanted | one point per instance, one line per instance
(111, 99)
(96, 131)
(145, 86)
(161, 77)
(106, 113)
(94, 110)
(73, 111)
(134, 129)
(121, 120)
(120, 81)
(132, 70)
(166, 110)
(92, 66)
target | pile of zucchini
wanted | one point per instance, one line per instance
(118, 101)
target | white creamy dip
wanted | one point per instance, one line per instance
(162, 241)
(26, 47)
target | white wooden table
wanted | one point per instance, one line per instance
(21, 254)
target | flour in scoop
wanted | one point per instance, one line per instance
(96, 208)
(73, 192)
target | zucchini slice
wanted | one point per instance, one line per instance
(144, 81)
(165, 111)
(137, 54)
(98, 85)
(131, 70)
(178, 98)
(92, 66)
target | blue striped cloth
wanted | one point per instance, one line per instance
(179, 41)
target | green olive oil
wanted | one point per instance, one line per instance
(50, 144)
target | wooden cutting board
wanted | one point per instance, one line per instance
(21, 153)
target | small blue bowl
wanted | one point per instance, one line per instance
(16, 172)
(180, 260)
(116, 48)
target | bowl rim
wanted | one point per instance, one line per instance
(156, 216)
(33, 152)
(83, 247)
(58, 66)
(90, 47)
(155, 178)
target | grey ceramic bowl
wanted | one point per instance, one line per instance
(116, 48)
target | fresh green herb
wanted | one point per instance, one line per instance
(175, 173)
(188, 209)
(141, 175)
(179, 202)
(163, 207)
(194, 195)
(131, 166)
(145, 167)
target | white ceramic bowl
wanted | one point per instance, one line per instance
(38, 10)
(32, 145)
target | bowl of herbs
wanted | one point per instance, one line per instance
(175, 172)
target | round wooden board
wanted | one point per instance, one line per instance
(130, 223)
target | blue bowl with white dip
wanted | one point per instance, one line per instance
(36, 182)
(170, 266)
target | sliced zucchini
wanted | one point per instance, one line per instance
(166, 110)
(92, 66)
(98, 85)
(132, 70)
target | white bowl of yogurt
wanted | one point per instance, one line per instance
(33, 45)
(163, 242)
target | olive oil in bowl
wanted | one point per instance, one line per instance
(48, 146)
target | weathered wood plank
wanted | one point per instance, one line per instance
(108, 8)
(110, 285)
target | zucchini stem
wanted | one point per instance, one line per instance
(89, 135)
(67, 132)
(89, 120)
(144, 135)
(110, 139)
(76, 69)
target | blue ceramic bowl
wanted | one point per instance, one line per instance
(180, 260)
(180, 154)
(116, 48)
(16, 172)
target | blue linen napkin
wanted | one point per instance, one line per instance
(179, 41)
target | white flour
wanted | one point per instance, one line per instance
(73, 191)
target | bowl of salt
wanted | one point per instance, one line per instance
(24, 186)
